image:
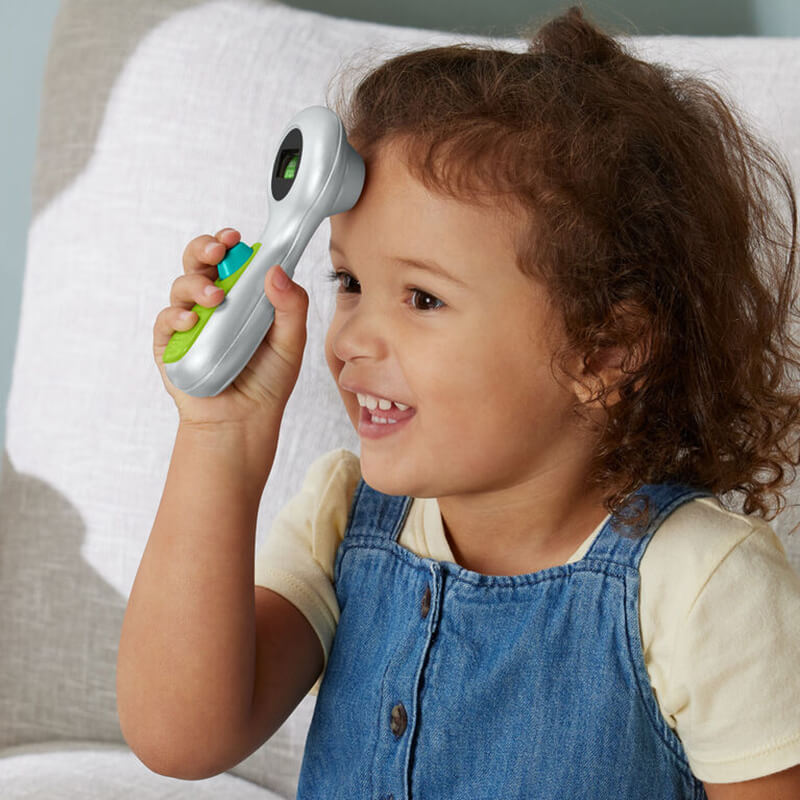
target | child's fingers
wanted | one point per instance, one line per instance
(195, 288)
(288, 333)
(187, 291)
(207, 251)
(170, 320)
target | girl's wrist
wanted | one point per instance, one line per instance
(247, 449)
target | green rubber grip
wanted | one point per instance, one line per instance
(180, 341)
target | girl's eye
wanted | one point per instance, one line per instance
(420, 301)
(347, 283)
(423, 301)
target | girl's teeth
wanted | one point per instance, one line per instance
(379, 402)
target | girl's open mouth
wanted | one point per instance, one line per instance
(378, 423)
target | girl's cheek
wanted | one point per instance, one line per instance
(335, 364)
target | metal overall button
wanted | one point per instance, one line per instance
(426, 602)
(399, 720)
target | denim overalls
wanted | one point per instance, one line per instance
(446, 683)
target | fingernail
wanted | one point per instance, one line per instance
(210, 247)
(211, 289)
(280, 280)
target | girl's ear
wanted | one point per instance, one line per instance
(603, 369)
(608, 365)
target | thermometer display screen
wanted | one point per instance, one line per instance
(287, 163)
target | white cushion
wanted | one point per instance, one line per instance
(93, 771)
(158, 123)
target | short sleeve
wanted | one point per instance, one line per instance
(736, 665)
(297, 557)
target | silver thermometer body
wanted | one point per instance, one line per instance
(316, 173)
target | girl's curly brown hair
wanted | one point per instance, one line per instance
(658, 222)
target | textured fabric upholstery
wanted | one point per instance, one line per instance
(158, 122)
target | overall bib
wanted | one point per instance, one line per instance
(446, 683)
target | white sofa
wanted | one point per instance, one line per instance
(158, 121)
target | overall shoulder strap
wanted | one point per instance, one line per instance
(618, 541)
(373, 513)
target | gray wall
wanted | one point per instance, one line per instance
(25, 27)
(646, 17)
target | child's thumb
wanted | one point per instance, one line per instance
(288, 332)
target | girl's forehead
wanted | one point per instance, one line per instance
(396, 210)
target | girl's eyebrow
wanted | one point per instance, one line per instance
(424, 264)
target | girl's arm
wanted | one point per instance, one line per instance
(784, 785)
(209, 666)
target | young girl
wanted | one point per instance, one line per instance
(562, 332)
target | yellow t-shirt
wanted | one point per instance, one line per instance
(719, 613)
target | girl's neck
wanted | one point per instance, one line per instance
(505, 539)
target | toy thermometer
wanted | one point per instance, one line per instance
(316, 173)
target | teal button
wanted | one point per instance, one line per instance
(238, 254)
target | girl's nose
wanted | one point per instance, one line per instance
(358, 334)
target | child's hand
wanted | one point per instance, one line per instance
(263, 387)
